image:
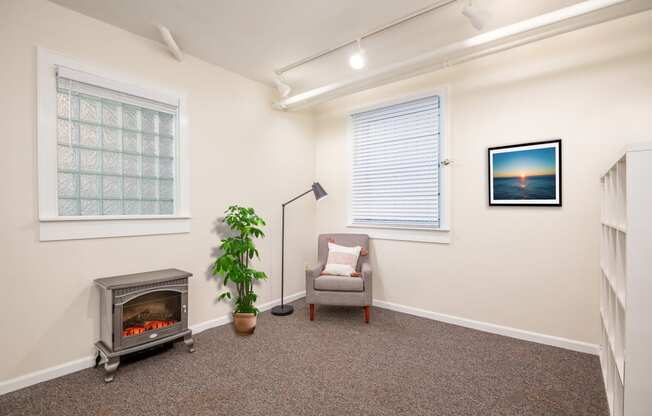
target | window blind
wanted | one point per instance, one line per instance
(115, 152)
(396, 165)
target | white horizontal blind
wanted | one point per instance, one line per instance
(115, 152)
(396, 165)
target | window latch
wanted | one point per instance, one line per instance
(446, 162)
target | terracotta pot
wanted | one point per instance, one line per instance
(244, 323)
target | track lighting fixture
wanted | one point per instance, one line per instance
(358, 59)
(281, 86)
(477, 16)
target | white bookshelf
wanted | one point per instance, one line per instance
(626, 282)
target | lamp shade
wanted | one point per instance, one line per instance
(319, 192)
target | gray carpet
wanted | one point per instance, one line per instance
(336, 365)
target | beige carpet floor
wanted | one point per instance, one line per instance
(337, 365)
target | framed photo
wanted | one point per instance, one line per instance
(527, 174)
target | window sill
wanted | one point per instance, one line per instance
(77, 228)
(440, 235)
(112, 218)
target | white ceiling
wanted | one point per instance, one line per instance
(254, 37)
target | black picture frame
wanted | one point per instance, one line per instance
(556, 202)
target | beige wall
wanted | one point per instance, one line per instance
(529, 268)
(242, 151)
(533, 269)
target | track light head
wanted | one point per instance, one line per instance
(477, 16)
(282, 87)
(358, 60)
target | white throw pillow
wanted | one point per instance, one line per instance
(342, 260)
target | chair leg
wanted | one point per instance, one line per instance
(366, 314)
(312, 311)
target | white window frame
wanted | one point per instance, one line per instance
(441, 234)
(55, 227)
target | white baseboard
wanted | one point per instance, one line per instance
(222, 320)
(289, 298)
(46, 374)
(568, 344)
(60, 370)
(212, 323)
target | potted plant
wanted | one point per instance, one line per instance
(233, 265)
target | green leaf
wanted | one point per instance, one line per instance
(259, 275)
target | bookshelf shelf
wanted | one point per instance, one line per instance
(626, 281)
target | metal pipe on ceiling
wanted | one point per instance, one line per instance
(527, 31)
(437, 5)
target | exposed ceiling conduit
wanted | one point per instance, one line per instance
(580, 15)
(435, 6)
(170, 42)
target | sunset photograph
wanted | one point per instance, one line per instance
(526, 174)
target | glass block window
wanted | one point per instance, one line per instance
(115, 152)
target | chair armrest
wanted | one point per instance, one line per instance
(366, 281)
(314, 271)
(366, 271)
(311, 274)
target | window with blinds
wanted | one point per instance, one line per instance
(396, 165)
(115, 152)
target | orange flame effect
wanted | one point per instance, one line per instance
(148, 326)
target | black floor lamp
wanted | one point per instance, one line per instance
(320, 193)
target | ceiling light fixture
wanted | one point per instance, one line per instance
(477, 16)
(358, 59)
(282, 87)
(587, 13)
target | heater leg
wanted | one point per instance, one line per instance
(110, 367)
(312, 311)
(189, 342)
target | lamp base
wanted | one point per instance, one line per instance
(282, 310)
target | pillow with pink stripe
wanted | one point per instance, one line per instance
(341, 260)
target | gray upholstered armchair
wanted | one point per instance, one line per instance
(340, 290)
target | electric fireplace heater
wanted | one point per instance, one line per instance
(139, 311)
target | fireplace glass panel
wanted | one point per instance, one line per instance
(151, 311)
